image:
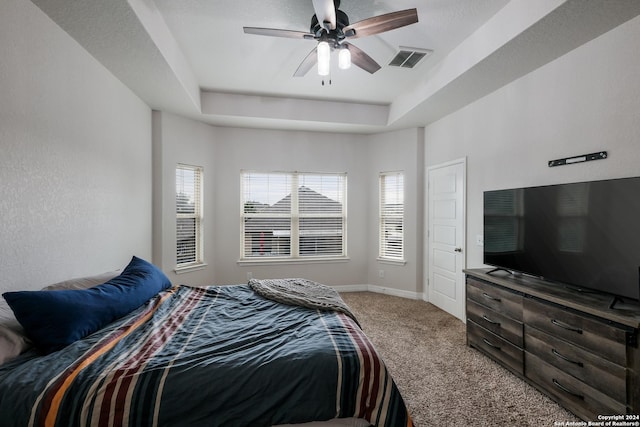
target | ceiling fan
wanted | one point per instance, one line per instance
(330, 27)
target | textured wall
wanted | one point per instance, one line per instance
(271, 150)
(224, 152)
(586, 101)
(398, 151)
(180, 140)
(75, 168)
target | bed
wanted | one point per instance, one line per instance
(203, 356)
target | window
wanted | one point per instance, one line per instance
(391, 238)
(188, 216)
(293, 215)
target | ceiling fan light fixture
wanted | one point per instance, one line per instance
(344, 58)
(330, 26)
(324, 58)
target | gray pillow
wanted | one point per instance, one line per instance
(12, 344)
(13, 341)
(83, 282)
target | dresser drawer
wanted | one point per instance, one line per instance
(499, 324)
(599, 337)
(603, 375)
(497, 298)
(500, 349)
(572, 393)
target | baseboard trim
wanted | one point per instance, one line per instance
(379, 290)
(351, 288)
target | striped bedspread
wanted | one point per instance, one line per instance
(216, 356)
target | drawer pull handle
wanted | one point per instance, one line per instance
(566, 390)
(493, 322)
(490, 344)
(565, 358)
(565, 326)
(487, 296)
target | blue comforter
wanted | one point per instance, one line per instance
(216, 356)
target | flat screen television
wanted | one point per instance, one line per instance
(585, 234)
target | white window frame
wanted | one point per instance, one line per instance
(391, 247)
(295, 217)
(197, 215)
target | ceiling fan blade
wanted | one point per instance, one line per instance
(381, 23)
(361, 59)
(274, 32)
(307, 63)
(326, 13)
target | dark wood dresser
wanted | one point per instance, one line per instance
(567, 344)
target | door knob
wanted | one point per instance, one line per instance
(458, 249)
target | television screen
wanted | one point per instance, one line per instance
(584, 234)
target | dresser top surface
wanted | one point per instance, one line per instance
(596, 304)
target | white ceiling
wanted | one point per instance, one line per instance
(191, 57)
(225, 59)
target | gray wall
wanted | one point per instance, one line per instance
(271, 150)
(224, 152)
(88, 176)
(583, 102)
(398, 151)
(179, 140)
(75, 169)
(76, 165)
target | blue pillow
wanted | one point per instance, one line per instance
(55, 319)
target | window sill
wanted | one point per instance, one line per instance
(392, 261)
(281, 261)
(190, 268)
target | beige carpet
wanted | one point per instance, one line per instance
(444, 382)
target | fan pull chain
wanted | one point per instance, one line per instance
(329, 79)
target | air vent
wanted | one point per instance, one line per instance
(409, 57)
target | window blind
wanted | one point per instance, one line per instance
(391, 214)
(293, 215)
(188, 215)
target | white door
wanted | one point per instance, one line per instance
(446, 236)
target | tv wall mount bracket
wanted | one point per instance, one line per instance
(578, 159)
